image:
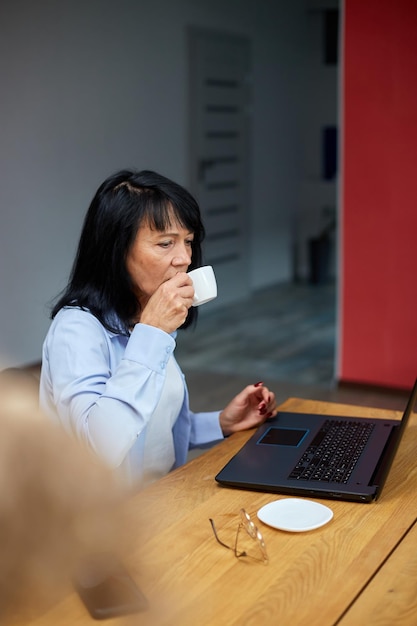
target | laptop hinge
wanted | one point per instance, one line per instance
(385, 460)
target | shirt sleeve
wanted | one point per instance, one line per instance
(205, 429)
(103, 392)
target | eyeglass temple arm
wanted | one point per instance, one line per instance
(217, 537)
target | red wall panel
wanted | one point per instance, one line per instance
(378, 293)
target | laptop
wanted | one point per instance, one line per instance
(300, 454)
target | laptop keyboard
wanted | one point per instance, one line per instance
(334, 452)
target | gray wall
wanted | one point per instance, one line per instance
(91, 86)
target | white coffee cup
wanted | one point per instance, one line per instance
(205, 286)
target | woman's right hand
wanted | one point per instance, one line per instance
(168, 306)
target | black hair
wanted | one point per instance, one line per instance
(99, 280)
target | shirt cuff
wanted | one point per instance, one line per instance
(150, 346)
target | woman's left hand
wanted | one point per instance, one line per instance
(250, 408)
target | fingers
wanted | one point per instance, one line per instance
(250, 408)
(183, 290)
(267, 406)
(183, 296)
(266, 411)
(168, 306)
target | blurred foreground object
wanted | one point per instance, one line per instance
(58, 503)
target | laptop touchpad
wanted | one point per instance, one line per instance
(283, 436)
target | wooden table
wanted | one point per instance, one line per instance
(360, 568)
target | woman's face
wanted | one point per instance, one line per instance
(156, 256)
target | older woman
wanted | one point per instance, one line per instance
(108, 372)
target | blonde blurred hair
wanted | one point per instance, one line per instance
(58, 503)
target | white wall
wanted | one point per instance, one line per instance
(91, 86)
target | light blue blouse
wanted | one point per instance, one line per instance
(103, 387)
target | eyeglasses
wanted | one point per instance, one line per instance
(246, 524)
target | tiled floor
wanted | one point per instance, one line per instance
(285, 335)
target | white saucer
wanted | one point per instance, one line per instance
(295, 515)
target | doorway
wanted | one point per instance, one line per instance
(219, 148)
